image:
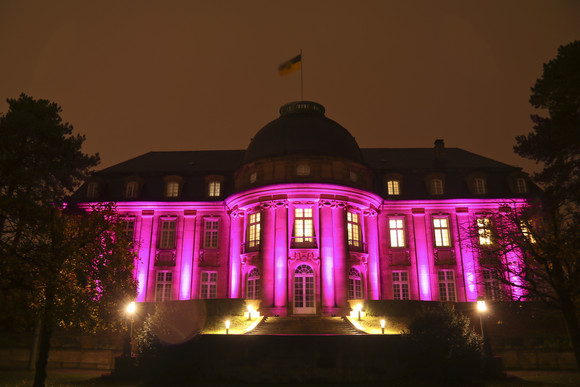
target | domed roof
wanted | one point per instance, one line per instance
(303, 129)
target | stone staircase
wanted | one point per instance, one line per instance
(305, 325)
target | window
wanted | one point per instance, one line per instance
(437, 187)
(354, 284)
(446, 285)
(400, 285)
(214, 189)
(253, 177)
(353, 176)
(526, 231)
(163, 286)
(210, 237)
(172, 189)
(303, 229)
(129, 228)
(484, 231)
(441, 232)
(491, 285)
(253, 289)
(303, 170)
(131, 189)
(167, 234)
(353, 229)
(393, 187)
(92, 190)
(253, 233)
(521, 185)
(208, 284)
(397, 232)
(479, 185)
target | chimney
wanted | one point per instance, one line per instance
(439, 150)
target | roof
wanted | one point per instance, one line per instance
(413, 165)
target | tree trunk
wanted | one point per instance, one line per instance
(571, 319)
(46, 328)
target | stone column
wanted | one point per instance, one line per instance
(422, 254)
(326, 254)
(142, 264)
(268, 257)
(236, 237)
(467, 259)
(340, 254)
(281, 255)
(372, 240)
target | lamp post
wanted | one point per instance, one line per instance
(481, 309)
(131, 313)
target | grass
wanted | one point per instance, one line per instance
(217, 326)
(393, 325)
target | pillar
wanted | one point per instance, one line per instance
(422, 254)
(142, 263)
(187, 254)
(326, 255)
(236, 237)
(340, 254)
(268, 257)
(281, 254)
(466, 254)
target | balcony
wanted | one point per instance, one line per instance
(303, 243)
(445, 257)
(357, 246)
(251, 246)
(165, 258)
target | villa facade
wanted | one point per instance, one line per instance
(305, 221)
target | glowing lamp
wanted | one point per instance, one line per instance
(131, 308)
(481, 306)
(383, 327)
(227, 327)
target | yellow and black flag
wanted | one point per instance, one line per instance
(291, 65)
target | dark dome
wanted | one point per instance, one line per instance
(303, 129)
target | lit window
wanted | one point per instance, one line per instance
(303, 229)
(208, 284)
(354, 284)
(303, 170)
(253, 177)
(172, 189)
(437, 187)
(446, 285)
(131, 189)
(441, 232)
(167, 234)
(353, 229)
(353, 176)
(214, 189)
(253, 232)
(491, 285)
(92, 190)
(526, 231)
(253, 289)
(400, 285)
(163, 286)
(484, 231)
(479, 185)
(210, 238)
(397, 232)
(393, 187)
(521, 185)
(129, 228)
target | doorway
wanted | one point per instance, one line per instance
(304, 290)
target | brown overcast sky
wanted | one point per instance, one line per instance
(136, 76)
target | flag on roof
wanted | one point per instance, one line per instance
(291, 65)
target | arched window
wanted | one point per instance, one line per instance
(253, 286)
(131, 189)
(354, 284)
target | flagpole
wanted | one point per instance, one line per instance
(301, 82)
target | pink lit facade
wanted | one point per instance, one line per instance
(307, 232)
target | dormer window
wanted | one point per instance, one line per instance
(521, 185)
(214, 189)
(172, 189)
(303, 170)
(479, 185)
(131, 189)
(393, 187)
(437, 186)
(93, 190)
(253, 177)
(353, 176)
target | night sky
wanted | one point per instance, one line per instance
(136, 76)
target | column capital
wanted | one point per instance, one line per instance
(371, 212)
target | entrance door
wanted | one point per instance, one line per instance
(304, 290)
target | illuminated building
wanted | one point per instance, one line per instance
(304, 220)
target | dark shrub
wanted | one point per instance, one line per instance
(443, 346)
